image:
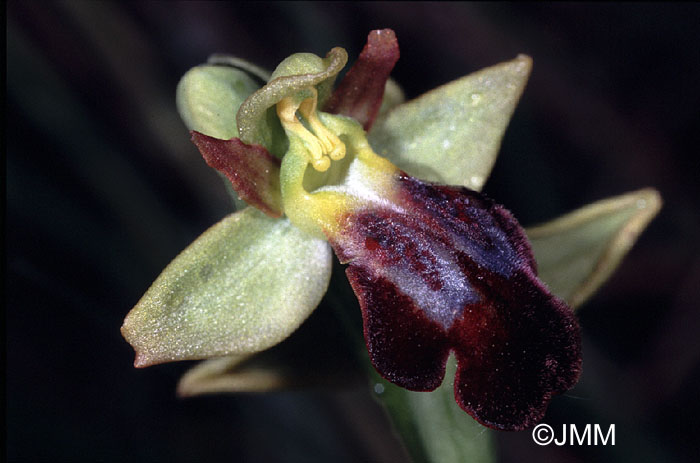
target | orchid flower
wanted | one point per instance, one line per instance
(436, 268)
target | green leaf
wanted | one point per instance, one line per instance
(578, 252)
(243, 286)
(452, 134)
(432, 425)
(208, 98)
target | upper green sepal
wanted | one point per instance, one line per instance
(452, 134)
(208, 98)
(244, 285)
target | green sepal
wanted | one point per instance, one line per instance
(243, 286)
(208, 98)
(578, 252)
(257, 119)
(452, 134)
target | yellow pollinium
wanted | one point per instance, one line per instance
(322, 145)
(317, 142)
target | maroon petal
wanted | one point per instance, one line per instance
(252, 170)
(446, 268)
(360, 93)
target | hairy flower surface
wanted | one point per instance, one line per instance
(436, 268)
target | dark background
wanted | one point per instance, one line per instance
(104, 188)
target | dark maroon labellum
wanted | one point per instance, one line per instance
(449, 269)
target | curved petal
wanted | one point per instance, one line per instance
(359, 94)
(452, 134)
(253, 172)
(440, 268)
(578, 252)
(208, 98)
(243, 286)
